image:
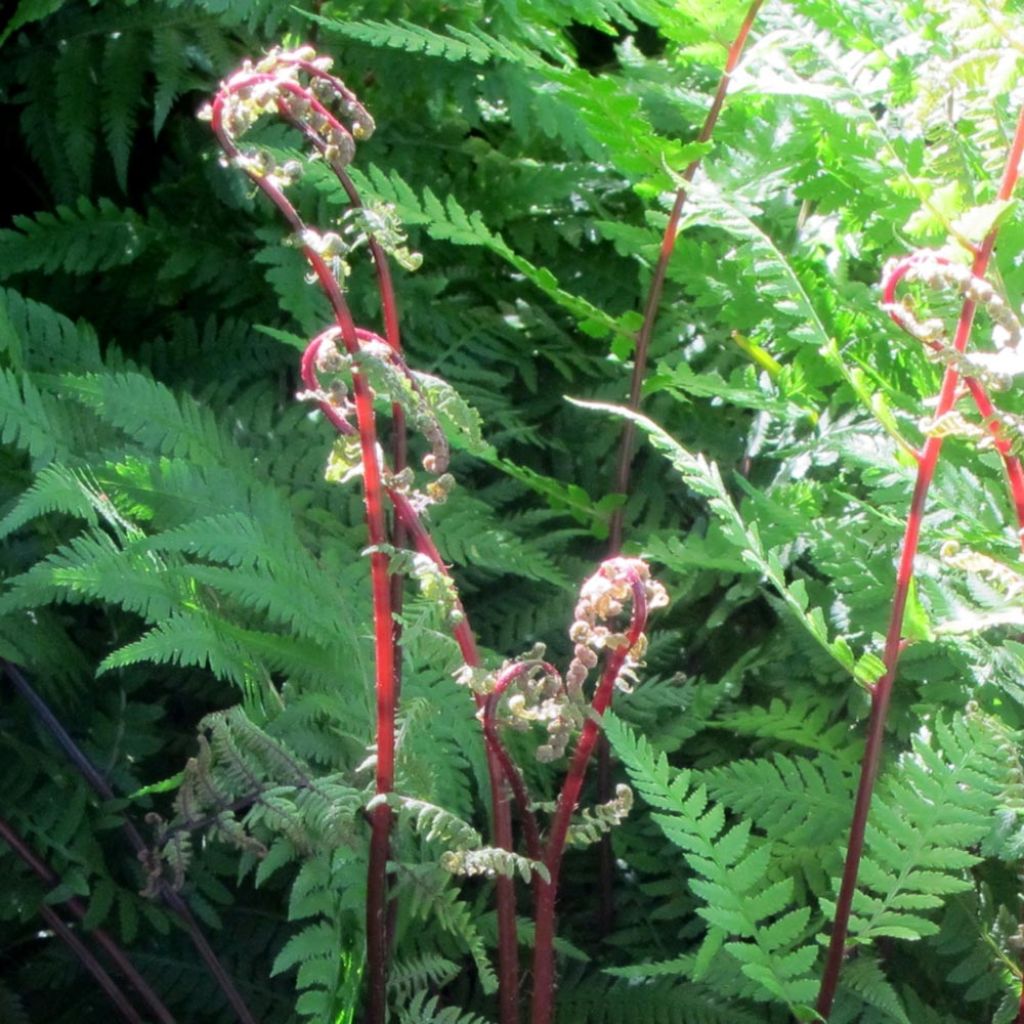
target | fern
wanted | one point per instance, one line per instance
(750, 916)
(934, 808)
(422, 1010)
(474, 46)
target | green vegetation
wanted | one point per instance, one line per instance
(221, 803)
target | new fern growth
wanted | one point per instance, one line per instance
(298, 87)
(975, 290)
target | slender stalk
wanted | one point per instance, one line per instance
(653, 302)
(335, 137)
(623, 469)
(881, 692)
(409, 521)
(504, 887)
(547, 890)
(113, 950)
(91, 964)
(102, 788)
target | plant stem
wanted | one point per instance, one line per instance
(504, 887)
(651, 306)
(881, 692)
(102, 788)
(114, 951)
(377, 945)
(547, 890)
(90, 963)
(623, 469)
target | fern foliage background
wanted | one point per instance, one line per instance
(188, 594)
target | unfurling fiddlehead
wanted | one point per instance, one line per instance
(343, 369)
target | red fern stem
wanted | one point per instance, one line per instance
(246, 87)
(881, 692)
(547, 889)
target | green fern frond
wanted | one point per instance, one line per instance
(55, 489)
(424, 1010)
(937, 804)
(802, 802)
(76, 113)
(125, 62)
(804, 722)
(475, 46)
(82, 239)
(468, 532)
(450, 222)
(429, 893)
(420, 974)
(660, 1001)
(151, 414)
(32, 420)
(93, 566)
(195, 640)
(36, 337)
(750, 914)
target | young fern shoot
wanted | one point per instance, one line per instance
(974, 289)
(297, 86)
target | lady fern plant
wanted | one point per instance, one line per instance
(165, 513)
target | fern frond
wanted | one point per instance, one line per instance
(659, 1000)
(750, 914)
(420, 974)
(82, 239)
(36, 337)
(429, 893)
(151, 414)
(125, 63)
(76, 111)
(424, 1010)
(475, 46)
(937, 805)
(93, 566)
(55, 489)
(434, 823)
(32, 420)
(189, 640)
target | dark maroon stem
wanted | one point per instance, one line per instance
(547, 890)
(90, 963)
(113, 950)
(881, 692)
(102, 788)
